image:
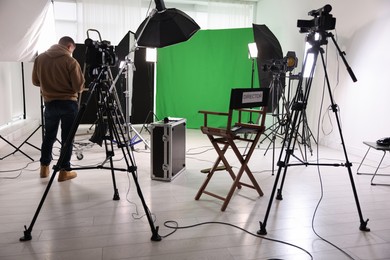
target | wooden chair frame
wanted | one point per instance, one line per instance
(223, 138)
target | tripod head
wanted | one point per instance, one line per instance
(317, 38)
(317, 28)
(322, 21)
(318, 33)
(99, 54)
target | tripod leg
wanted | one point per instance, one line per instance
(27, 232)
(69, 142)
(263, 230)
(105, 109)
(115, 121)
(363, 223)
(281, 165)
(132, 168)
(110, 154)
(297, 114)
(288, 143)
(273, 155)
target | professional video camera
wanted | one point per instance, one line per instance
(322, 21)
(288, 63)
(99, 53)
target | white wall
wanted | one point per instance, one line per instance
(363, 32)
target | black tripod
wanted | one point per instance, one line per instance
(303, 131)
(110, 130)
(298, 110)
(281, 116)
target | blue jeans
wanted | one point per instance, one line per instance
(64, 111)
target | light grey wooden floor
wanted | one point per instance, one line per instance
(79, 219)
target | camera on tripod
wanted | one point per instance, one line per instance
(322, 21)
(99, 53)
(288, 63)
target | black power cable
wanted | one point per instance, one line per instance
(176, 227)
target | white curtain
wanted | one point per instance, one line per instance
(112, 18)
(21, 22)
(229, 15)
(11, 101)
(20, 28)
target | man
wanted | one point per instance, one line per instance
(61, 80)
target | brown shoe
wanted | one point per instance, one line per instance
(66, 175)
(45, 171)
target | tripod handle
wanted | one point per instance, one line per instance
(342, 55)
(351, 74)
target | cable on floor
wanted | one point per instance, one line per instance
(176, 227)
(15, 170)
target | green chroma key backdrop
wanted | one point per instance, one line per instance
(198, 74)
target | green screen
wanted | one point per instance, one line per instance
(198, 74)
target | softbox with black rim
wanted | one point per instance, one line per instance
(269, 50)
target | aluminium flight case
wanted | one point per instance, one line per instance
(168, 152)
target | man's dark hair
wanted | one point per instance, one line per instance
(66, 40)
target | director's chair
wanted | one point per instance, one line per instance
(242, 102)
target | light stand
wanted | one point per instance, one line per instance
(325, 22)
(163, 27)
(281, 106)
(253, 52)
(278, 124)
(18, 148)
(137, 138)
(26, 141)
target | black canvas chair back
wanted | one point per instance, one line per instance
(248, 97)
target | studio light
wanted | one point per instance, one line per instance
(151, 55)
(252, 50)
(122, 63)
(165, 27)
(291, 60)
(309, 57)
(252, 54)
